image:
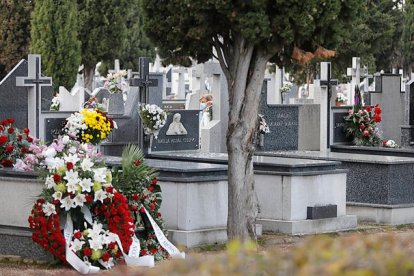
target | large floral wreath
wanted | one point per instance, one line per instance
(79, 198)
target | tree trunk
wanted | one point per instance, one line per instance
(247, 74)
(89, 74)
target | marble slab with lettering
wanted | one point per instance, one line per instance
(181, 132)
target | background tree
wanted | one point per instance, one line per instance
(245, 36)
(407, 38)
(14, 32)
(102, 32)
(54, 35)
(136, 44)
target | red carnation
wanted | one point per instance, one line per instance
(134, 208)
(110, 189)
(7, 163)
(1, 128)
(29, 139)
(143, 252)
(69, 166)
(152, 206)
(19, 137)
(135, 197)
(368, 108)
(111, 245)
(57, 178)
(3, 139)
(5, 122)
(24, 150)
(10, 130)
(377, 118)
(137, 162)
(361, 126)
(377, 110)
(153, 251)
(9, 148)
(87, 252)
(159, 215)
(154, 181)
(106, 256)
(151, 188)
(26, 131)
(77, 235)
(142, 210)
(10, 120)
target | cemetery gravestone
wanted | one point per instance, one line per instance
(407, 129)
(168, 140)
(338, 124)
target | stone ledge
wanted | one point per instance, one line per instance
(375, 213)
(194, 238)
(304, 227)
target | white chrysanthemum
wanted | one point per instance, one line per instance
(86, 184)
(100, 196)
(86, 164)
(49, 209)
(67, 203)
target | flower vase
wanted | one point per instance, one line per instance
(116, 104)
(339, 103)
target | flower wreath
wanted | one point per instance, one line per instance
(99, 226)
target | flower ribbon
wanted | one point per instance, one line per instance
(164, 242)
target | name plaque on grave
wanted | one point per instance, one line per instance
(181, 132)
(53, 128)
(338, 125)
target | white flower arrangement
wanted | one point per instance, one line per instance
(115, 82)
(55, 106)
(286, 87)
(341, 98)
(153, 118)
(263, 126)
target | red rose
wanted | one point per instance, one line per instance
(10, 120)
(154, 181)
(88, 198)
(87, 252)
(77, 235)
(57, 178)
(69, 166)
(377, 110)
(111, 245)
(368, 108)
(110, 189)
(143, 252)
(153, 251)
(377, 118)
(26, 131)
(3, 139)
(10, 130)
(151, 188)
(19, 137)
(106, 256)
(24, 150)
(152, 206)
(137, 162)
(159, 215)
(134, 208)
(29, 139)
(5, 122)
(9, 148)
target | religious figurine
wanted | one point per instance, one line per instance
(176, 127)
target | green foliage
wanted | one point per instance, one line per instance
(407, 38)
(136, 44)
(138, 183)
(14, 32)
(54, 35)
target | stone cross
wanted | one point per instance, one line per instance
(117, 67)
(180, 82)
(327, 82)
(355, 73)
(144, 83)
(34, 81)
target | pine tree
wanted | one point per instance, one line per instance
(54, 35)
(14, 32)
(407, 39)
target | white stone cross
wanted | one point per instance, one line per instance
(355, 73)
(117, 67)
(34, 81)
